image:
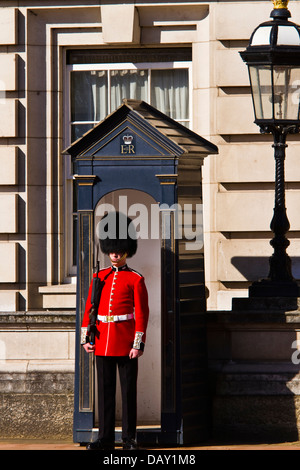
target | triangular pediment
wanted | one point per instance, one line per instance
(128, 140)
(137, 130)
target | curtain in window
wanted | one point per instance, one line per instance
(169, 92)
(95, 94)
(131, 84)
(89, 101)
(89, 96)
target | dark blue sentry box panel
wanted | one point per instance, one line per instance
(138, 147)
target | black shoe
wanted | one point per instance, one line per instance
(100, 445)
(129, 444)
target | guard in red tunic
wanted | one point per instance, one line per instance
(120, 337)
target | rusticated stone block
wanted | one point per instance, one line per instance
(36, 405)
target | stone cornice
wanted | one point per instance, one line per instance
(38, 320)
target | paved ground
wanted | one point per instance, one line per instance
(55, 445)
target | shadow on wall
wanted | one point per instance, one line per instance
(254, 268)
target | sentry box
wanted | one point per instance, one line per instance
(142, 163)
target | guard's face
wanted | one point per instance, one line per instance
(118, 259)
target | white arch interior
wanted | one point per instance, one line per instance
(146, 261)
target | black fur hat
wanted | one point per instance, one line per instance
(117, 234)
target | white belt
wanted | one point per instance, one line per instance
(113, 318)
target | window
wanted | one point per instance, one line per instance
(98, 92)
(96, 89)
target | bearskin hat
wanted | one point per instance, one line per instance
(117, 234)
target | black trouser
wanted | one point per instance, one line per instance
(106, 373)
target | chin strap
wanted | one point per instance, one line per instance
(122, 258)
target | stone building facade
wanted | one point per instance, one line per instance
(43, 44)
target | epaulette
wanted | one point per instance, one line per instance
(136, 272)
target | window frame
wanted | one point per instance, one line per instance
(70, 268)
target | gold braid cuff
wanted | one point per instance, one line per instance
(83, 335)
(137, 344)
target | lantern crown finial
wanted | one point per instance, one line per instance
(280, 10)
(278, 4)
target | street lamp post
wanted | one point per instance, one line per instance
(273, 59)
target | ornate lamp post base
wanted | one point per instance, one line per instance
(280, 282)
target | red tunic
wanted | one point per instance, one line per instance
(123, 312)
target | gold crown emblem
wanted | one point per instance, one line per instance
(280, 3)
(127, 139)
